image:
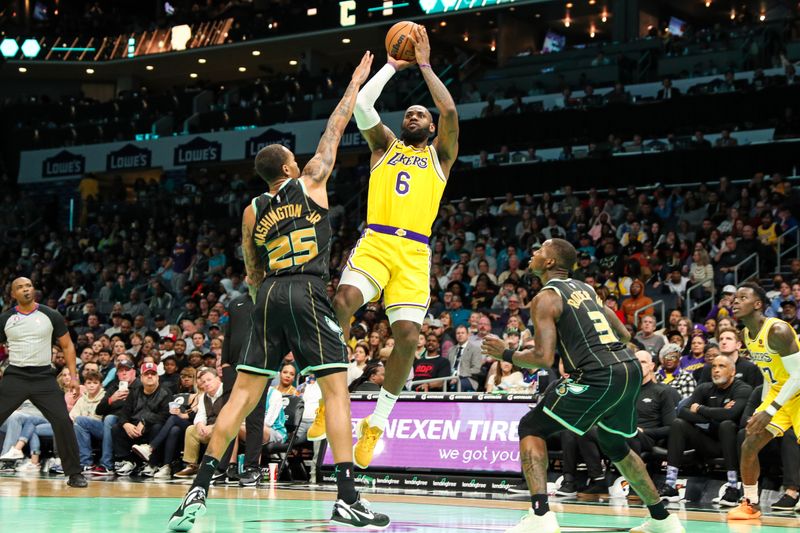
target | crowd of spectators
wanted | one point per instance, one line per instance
(145, 294)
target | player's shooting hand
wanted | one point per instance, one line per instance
(422, 45)
(493, 346)
(399, 64)
(361, 73)
(758, 422)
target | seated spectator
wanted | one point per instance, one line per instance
(465, 360)
(699, 142)
(696, 357)
(727, 258)
(491, 109)
(513, 310)
(725, 140)
(636, 301)
(371, 380)
(718, 406)
(358, 363)
(86, 407)
(655, 408)
(789, 314)
(431, 365)
(171, 376)
(648, 338)
(677, 284)
(729, 346)
(15, 439)
(503, 376)
(209, 404)
(274, 421)
(667, 91)
(776, 302)
(670, 372)
(287, 376)
(144, 413)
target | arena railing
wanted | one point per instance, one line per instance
(445, 381)
(788, 242)
(658, 304)
(692, 306)
(739, 267)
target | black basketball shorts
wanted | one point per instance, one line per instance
(293, 314)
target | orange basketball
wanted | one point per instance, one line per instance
(398, 43)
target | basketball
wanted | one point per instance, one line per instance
(398, 42)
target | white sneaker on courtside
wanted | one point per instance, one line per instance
(670, 525)
(532, 523)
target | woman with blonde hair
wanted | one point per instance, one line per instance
(701, 270)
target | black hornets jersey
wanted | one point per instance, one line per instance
(292, 233)
(586, 340)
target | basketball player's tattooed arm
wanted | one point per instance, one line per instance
(255, 267)
(619, 328)
(546, 308)
(446, 142)
(318, 169)
(783, 340)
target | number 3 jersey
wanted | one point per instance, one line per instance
(585, 338)
(292, 233)
(405, 188)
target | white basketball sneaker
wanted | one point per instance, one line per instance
(532, 523)
(670, 525)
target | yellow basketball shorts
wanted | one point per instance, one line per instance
(397, 266)
(787, 416)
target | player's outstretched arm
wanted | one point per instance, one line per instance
(546, 309)
(255, 268)
(782, 339)
(376, 133)
(316, 172)
(446, 142)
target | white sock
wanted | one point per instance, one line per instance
(751, 493)
(386, 401)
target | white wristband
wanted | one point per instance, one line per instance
(770, 410)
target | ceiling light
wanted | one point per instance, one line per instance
(193, 75)
(345, 41)
(311, 11)
(256, 52)
(23, 70)
(443, 23)
(242, 69)
(201, 61)
(569, 5)
(149, 67)
(762, 17)
(89, 71)
(293, 62)
(708, 3)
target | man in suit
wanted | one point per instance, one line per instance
(465, 359)
(667, 91)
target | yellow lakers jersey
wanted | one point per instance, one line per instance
(767, 359)
(405, 188)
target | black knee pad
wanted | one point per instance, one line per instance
(612, 445)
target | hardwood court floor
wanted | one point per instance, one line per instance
(35, 504)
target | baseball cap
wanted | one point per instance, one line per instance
(148, 367)
(669, 348)
(159, 317)
(213, 326)
(436, 323)
(168, 338)
(125, 363)
(584, 255)
(728, 289)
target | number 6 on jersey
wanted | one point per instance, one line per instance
(401, 186)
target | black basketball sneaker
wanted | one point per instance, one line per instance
(358, 514)
(192, 507)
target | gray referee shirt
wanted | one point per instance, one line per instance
(30, 337)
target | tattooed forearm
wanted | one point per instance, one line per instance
(255, 270)
(448, 115)
(320, 166)
(441, 96)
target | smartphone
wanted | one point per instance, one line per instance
(123, 386)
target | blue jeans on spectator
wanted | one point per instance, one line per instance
(170, 437)
(41, 430)
(29, 432)
(12, 427)
(87, 428)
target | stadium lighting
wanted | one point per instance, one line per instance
(202, 61)
(242, 69)
(311, 11)
(345, 41)
(30, 48)
(9, 47)
(256, 52)
(149, 67)
(193, 75)
(89, 71)
(293, 62)
(22, 70)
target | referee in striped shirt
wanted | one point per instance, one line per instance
(29, 330)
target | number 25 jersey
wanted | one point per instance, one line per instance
(292, 233)
(405, 188)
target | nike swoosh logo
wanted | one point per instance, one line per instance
(358, 513)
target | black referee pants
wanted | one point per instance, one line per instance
(38, 384)
(684, 436)
(254, 425)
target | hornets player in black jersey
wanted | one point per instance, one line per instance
(602, 388)
(286, 239)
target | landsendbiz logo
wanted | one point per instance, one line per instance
(444, 483)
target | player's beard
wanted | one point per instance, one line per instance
(413, 137)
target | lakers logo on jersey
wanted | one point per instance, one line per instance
(405, 188)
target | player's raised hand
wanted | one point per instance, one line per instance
(493, 346)
(399, 64)
(361, 73)
(422, 45)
